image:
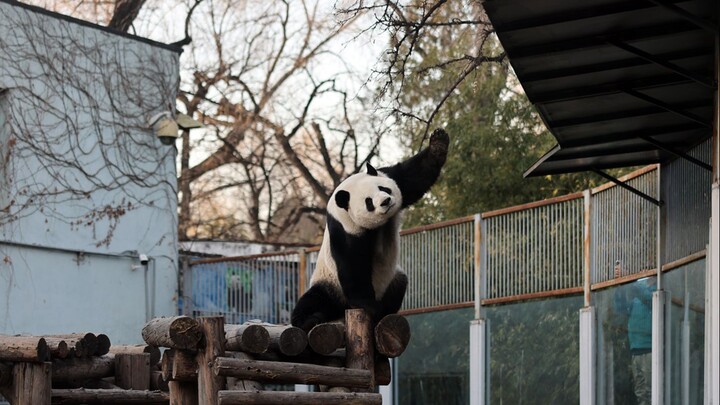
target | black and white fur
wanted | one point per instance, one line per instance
(357, 263)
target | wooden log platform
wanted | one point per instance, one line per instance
(297, 398)
(177, 332)
(292, 373)
(100, 396)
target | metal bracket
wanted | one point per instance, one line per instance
(699, 21)
(697, 78)
(629, 188)
(677, 153)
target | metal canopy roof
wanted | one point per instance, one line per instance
(617, 82)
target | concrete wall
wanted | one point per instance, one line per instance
(86, 187)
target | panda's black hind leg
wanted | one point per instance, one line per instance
(316, 306)
(394, 295)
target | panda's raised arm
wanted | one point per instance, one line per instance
(417, 174)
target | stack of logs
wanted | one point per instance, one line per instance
(206, 362)
(78, 368)
(212, 363)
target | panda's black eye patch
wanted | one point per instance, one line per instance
(369, 204)
(385, 189)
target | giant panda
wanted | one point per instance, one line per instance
(357, 262)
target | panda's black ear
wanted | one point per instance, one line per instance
(371, 170)
(342, 199)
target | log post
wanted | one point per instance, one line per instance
(359, 340)
(31, 384)
(166, 364)
(214, 346)
(153, 351)
(325, 338)
(132, 371)
(392, 335)
(23, 348)
(183, 393)
(177, 332)
(184, 366)
(250, 338)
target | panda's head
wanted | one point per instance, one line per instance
(365, 201)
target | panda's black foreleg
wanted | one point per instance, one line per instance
(394, 295)
(318, 305)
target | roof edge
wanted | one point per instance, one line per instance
(74, 20)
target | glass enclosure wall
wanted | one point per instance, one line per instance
(534, 351)
(685, 334)
(624, 342)
(434, 369)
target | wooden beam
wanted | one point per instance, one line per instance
(297, 398)
(101, 396)
(249, 338)
(292, 373)
(153, 351)
(392, 335)
(326, 338)
(83, 368)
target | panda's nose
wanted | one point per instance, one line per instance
(386, 202)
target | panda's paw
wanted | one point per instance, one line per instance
(439, 141)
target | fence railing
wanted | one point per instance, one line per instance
(528, 251)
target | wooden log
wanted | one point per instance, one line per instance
(31, 384)
(183, 393)
(85, 343)
(58, 347)
(297, 398)
(210, 383)
(103, 345)
(5, 374)
(177, 332)
(89, 396)
(153, 351)
(392, 335)
(132, 371)
(359, 340)
(83, 368)
(166, 364)
(382, 372)
(238, 384)
(250, 338)
(287, 339)
(326, 338)
(184, 366)
(23, 348)
(292, 373)
(157, 382)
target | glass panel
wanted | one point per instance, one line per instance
(434, 369)
(685, 334)
(624, 333)
(534, 351)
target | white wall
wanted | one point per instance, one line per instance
(98, 191)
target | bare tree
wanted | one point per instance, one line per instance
(76, 129)
(270, 141)
(412, 23)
